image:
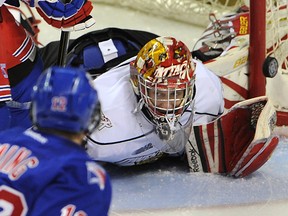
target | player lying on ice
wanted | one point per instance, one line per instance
(162, 103)
(20, 63)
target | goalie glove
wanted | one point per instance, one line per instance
(71, 16)
(237, 143)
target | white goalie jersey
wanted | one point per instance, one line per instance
(126, 137)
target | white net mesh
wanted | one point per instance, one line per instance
(277, 46)
(191, 11)
(277, 30)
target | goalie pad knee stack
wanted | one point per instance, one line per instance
(237, 143)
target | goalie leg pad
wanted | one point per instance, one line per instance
(237, 143)
(254, 157)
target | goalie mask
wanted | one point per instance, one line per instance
(163, 78)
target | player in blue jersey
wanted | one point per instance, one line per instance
(45, 170)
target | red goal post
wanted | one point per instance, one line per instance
(257, 49)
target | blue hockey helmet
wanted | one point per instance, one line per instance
(65, 99)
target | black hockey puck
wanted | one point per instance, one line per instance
(270, 67)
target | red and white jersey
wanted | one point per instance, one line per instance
(126, 137)
(16, 47)
(17, 43)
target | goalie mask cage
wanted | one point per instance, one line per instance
(268, 37)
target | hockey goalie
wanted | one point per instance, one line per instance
(237, 143)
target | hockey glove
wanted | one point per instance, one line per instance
(74, 15)
(237, 143)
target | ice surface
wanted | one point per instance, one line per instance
(168, 186)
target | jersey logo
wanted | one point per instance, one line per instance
(143, 149)
(36, 136)
(138, 160)
(96, 174)
(59, 103)
(105, 122)
(174, 70)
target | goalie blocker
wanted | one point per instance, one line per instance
(237, 143)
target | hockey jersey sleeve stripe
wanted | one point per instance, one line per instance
(5, 91)
(4, 87)
(25, 50)
(22, 47)
(24, 58)
(5, 98)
